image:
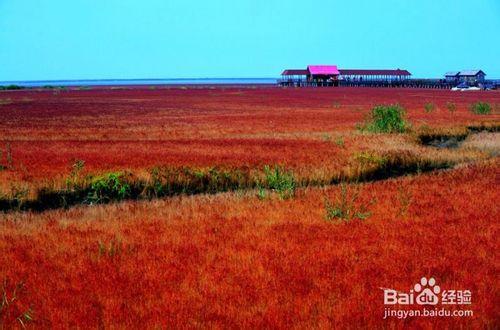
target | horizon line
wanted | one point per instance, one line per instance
(114, 79)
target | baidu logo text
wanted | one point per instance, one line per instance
(427, 292)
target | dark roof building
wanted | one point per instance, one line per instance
(295, 72)
(364, 72)
(468, 76)
(374, 74)
(472, 77)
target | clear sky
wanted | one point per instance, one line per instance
(87, 39)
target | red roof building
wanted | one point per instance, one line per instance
(323, 70)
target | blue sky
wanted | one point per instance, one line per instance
(86, 39)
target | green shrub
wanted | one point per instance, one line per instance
(429, 107)
(344, 208)
(280, 181)
(452, 107)
(480, 108)
(110, 187)
(340, 142)
(387, 119)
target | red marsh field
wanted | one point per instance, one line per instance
(244, 207)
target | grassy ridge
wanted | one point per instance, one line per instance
(166, 182)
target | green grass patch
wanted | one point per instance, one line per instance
(280, 181)
(108, 188)
(346, 207)
(480, 108)
(387, 119)
(429, 107)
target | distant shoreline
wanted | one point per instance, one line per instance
(141, 82)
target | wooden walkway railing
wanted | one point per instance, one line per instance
(411, 83)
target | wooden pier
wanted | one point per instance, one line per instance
(331, 76)
(406, 83)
